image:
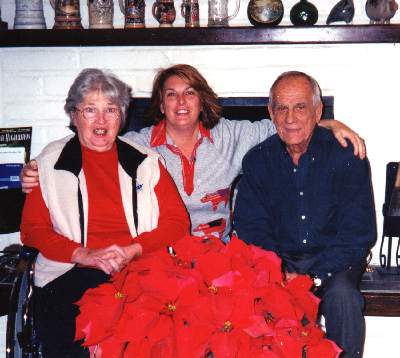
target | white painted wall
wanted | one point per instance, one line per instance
(363, 78)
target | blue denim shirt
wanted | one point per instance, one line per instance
(318, 216)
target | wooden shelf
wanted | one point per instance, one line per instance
(384, 304)
(203, 36)
(381, 290)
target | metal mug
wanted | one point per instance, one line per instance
(67, 14)
(164, 12)
(29, 14)
(101, 14)
(190, 12)
(218, 12)
(134, 13)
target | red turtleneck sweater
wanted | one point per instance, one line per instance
(107, 224)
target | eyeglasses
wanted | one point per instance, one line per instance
(92, 113)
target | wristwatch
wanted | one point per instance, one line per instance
(317, 281)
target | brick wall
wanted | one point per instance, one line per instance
(363, 78)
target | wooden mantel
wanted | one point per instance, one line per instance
(203, 36)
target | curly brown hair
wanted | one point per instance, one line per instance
(211, 109)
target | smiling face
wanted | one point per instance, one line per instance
(180, 104)
(294, 112)
(97, 133)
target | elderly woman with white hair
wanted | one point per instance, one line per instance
(101, 202)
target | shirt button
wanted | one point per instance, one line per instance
(301, 193)
(294, 170)
(304, 241)
(303, 217)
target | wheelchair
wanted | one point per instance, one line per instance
(21, 338)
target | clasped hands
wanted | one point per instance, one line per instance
(110, 259)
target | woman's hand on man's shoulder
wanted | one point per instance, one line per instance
(29, 176)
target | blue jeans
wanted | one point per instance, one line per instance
(342, 306)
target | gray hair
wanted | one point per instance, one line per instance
(293, 74)
(93, 79)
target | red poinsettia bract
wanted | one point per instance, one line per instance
(204, 297)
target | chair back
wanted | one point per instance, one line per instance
(234, 108)
(390, 209)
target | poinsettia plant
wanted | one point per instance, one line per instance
(203, 299)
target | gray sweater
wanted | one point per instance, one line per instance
(217, 164)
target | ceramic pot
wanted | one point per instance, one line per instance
(380, 11)
(134, 11)
(265, 12)
(3, 24)
(101, 14)
(164, 12)
(29, 14)
(67, 14)
(342, 11)
(190, 12)
(303, 13)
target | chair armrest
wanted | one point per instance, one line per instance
(28, 253)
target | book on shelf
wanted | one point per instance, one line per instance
(15, 149)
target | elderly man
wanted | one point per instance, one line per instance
(310, 200)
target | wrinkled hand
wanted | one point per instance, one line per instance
(110, 259)
(342, 132)
(29, 176)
